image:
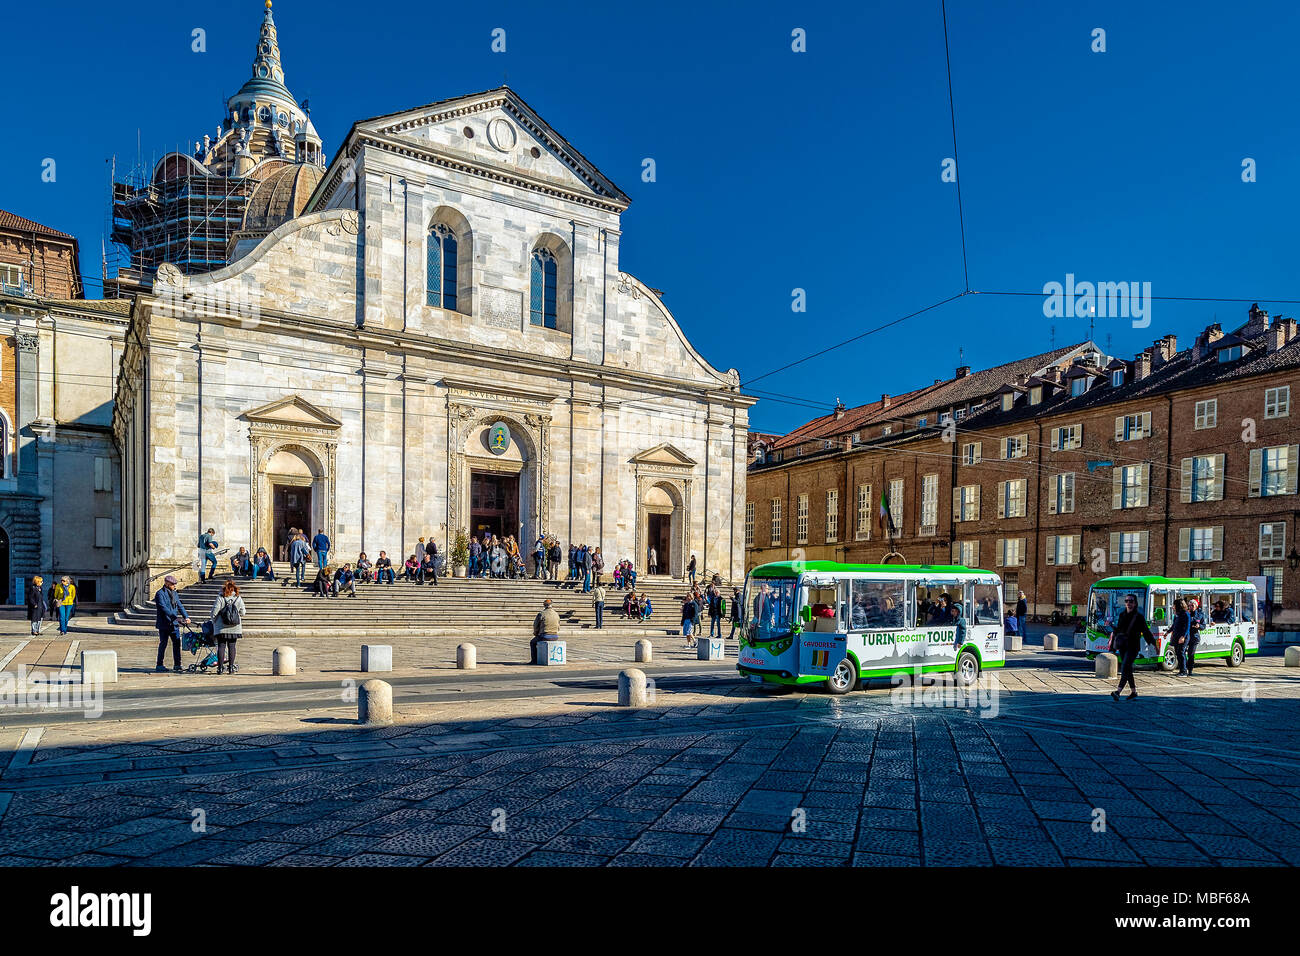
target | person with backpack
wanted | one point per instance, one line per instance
(65, 596)
(1130, 630)
(227, 624)
(170, 612)
(36, 605)
(298, 554)
(208, 545)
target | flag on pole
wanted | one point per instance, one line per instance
(884, 511)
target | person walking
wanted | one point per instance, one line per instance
(36, 604)
(652, 561)
(227, 624)
(735, 612)
(690, 614)
(690, 570)
(170, 612)
(321, 545)
(598, 602)
(208, 545)
(298, 554)
(65, 596)
(1130, 630)
(1178, 633)
(546, 627)
(715, 611)
(1195, 624)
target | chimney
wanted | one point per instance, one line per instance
(1283, 331)
(884, 401)
(1163, 349)
(1258, 323)
(1022, 378)
(839, 409)
(1142, 365)
(1205, 340)
(963, 371)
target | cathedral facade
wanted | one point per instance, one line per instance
(443, 340)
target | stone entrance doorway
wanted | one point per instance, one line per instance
(493, 504)
(659, 537)
(291, 509)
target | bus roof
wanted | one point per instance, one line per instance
(1146, 580)
(785, 569)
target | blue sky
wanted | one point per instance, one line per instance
(776, 170)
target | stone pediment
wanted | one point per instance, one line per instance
(292, 412)
(509, 142)
(664, 455)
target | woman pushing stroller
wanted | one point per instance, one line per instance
(227, 625)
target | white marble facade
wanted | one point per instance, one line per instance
(314, 363)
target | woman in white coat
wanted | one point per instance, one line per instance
(227, 625)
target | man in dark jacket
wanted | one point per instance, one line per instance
(170, 612)
(431, 551)
(321, 545)
(1130, 630)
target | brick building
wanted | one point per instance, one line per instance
(1060, 469)
(36, 260)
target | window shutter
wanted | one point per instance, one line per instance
(1219, 461)
(1184, 544)
(1144, 494)
(1002, 550)
(976, 555)
(1002, 448)
(1069, 492)
(1114, 547)
(1143, 540)
(1057, 484)
(1119, 428)
(1002, 498)
(1292, 451)
(1185, 493)
(979, 451)
(956, 504)
(1056, 439)
(1116, 488)
(978, 489)
(1256, 471)
(1146, 424)
(1021, 552)
(1051, 549)
(1023, 450)
(1218, 543)
(1076, 550)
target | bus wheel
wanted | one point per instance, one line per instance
(1169, 659)
(967, 670)
(1237, 655)
(843, 679)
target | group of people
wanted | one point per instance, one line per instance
(697, 601)
(60, 602)
(226, 622)
(498, 556)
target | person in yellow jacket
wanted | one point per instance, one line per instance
(65, 596)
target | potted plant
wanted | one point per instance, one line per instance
(460, 554)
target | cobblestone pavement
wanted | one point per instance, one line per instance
(1040, 766)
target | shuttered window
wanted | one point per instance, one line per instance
(1061, 500)
(833, 515)
(1273, 470)
(972, 453)
(776, 521)
(864, 512)
(1128, 547)
(929, 503)
(1063, 548)
(1207, 413)
(1272, 541)
(1130, 486)
(1202, 478)
(1067, 437)
(801, 521)
(966, 503)
(1133, 427)
(749, 524)
(1200, 544)
(1011, 498)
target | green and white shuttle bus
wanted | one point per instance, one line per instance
(1230, 630)
(810, 622)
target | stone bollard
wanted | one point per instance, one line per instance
(99, 665)
(644, 651)
(1107, 666)
(374, 703)
(551, 653)
(466, 657)
(1050, 642)
(376, 658)
(284, 662)
(710, 649)
(1013, 642)
(631, 688)
(1291, 656)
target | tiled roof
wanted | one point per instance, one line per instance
(18, 224)
(829, 426)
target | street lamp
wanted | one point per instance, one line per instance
(1293, 559)
(1083, 563)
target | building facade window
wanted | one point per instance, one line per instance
(776, 522)
(967, 554)
(1275, 572)
(441, 267)
(1200, 544)
(1207, 413)
(1011, 552)
(103, 532)
(1272, 541)
(1133, 427)
(1016, 446)
(971, 453)
(966, 503)
(801, 521)
(896, 504)
(1010, 590)
(1131, 486)
(1277, 402)
(1064, 588)
(1202, 478)
(749, 524)
(1063, 549)
(103, 468)
(929, 503)
(1011, 498)
(1078, 386)
(1128, 547)
(1273, 471)
(1067, 437)
(864, 512)
(1062, 495)
(833, 515)
(544, 290)
(1117, 378)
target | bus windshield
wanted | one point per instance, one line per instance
(769, 608)
(1105, 607)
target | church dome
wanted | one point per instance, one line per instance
(281, 196)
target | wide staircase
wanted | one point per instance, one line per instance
(454, 607)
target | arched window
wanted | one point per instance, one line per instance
(545, 281)
(441, 281)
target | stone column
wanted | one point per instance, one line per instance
(25, 359)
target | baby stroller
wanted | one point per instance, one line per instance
(201, 644)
